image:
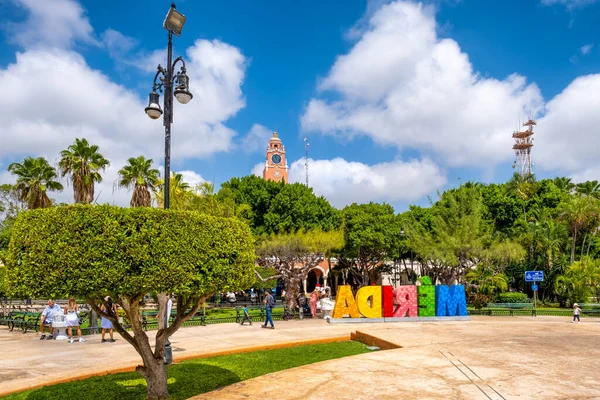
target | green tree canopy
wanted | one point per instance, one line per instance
(91, 252)
(275, 207)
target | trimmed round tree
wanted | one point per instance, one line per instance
(95, 251)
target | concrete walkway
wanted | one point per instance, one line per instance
(486, 358)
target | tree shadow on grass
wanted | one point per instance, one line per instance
(184, 380)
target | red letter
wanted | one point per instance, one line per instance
(406, 301)
(387, 294)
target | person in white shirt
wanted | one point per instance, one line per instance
(46, 319)
(576, 312)
(72, 313)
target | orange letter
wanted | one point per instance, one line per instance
(406, 301)
(363, 295)
(345, 304)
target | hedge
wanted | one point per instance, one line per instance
(512, 297)
(84, 250)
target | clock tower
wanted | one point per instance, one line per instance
(276, 168)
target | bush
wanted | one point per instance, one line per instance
(478, 300)
(512, 297)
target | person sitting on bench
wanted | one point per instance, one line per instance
(46, 319)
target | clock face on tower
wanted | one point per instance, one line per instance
(276, 158)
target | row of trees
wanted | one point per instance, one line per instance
(484, 235)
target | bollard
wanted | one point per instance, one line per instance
(168, 353)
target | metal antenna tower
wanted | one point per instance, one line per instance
(306, 144)
(522, 147)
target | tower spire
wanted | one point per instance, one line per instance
(522, 147)
(306, 144)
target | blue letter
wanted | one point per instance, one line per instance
(451, 301)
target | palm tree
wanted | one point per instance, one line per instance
(564, 184)
(487, 280)
(180, 192)
(589, 188)
(35, 176)
(522, 187)
(576, 211)
(140, 176)
(82, 162)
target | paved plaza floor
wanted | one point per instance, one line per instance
(485, 358)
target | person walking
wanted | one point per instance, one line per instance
(314, 297)
(107, 323)
(246, 316)
(72, 313)
(269, 304)
(576, 312)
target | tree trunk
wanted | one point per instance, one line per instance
(583, 244)
(155, 373)
(574, 242)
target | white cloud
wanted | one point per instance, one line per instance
(569, 4)
(51, 23)
(258, 169)
(192, 178)
(402, 85)
(56, 97)
(118, 44)
(344, 182)
(567, 136)
(256, 139)
(586, 49)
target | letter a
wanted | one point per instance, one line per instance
(406, 302)
(362, 299)
(345, 304)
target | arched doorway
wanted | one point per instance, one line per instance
(314, 276)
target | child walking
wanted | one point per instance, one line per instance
(72, 313)
(576, 312)
(246, 316)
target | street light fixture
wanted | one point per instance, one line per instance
(163, 82)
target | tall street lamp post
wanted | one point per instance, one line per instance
(163, 82)
(173, 24)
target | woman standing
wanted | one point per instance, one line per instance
(106, 323)
(314, 297)
(72, 313)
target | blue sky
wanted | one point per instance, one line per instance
(398, 99)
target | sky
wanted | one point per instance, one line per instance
(399, 99)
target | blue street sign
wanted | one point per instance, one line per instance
(534, 287)
(534, 276)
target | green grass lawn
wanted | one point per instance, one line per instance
(189, 378)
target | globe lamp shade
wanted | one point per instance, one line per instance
(153, 110)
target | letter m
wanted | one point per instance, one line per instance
(450, 301)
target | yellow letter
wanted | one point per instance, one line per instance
(344, 303)
(362, 299)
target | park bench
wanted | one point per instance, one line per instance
(510, 307)
(24, 320)
(6, 316)
(513, 306)
(590, 309)
(198, 319)
(256, 312)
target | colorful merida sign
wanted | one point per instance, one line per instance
(404, 301)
